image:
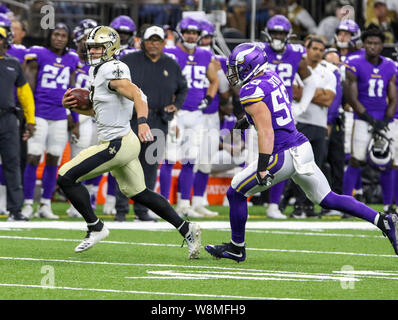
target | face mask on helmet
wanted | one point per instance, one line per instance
(245, 62)
(188, 25)
(102, 37)
(379, 152)
(278, 32)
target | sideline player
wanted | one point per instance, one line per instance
(50, 71)
(211, 120)
(126, 28)
(113, 97)
(198, 68)
(283, 153)
(371, 91)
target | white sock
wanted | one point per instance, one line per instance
(3, 197)
(238, 244)
(376, 221)
(197, 201)
(45, 201)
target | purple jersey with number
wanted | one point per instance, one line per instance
(285, 64)
(372, 83)
(53, 78)
(17, 51)
(213, 106)
(194, 68)
(82, 77)
(270, 89)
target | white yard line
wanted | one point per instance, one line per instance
(176, 245)
(286, 225)
(198, 295)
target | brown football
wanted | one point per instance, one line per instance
(82, 97)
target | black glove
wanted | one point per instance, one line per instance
(267, 180)
(205, 103)
(242, 124)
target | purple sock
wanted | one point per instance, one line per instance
(386, 182)
(350, 178)
(29, 181)
(358, 184)
(275, 192)
(237, 214)
(48, 180)
(111, 185)
(94, 181)
(348, 205)
(200, 183)
(165, 178)
(185, 181)
(2, 180)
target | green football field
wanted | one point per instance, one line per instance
(328, 258)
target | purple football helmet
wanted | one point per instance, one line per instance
(278, 23)
(188, 24)
(379, 155)
(83, 28)
(124, 24)
(246, 61)
(207, 28)
(351, 27)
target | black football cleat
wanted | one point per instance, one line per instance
(228, 251)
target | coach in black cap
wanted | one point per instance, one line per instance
(160, 78)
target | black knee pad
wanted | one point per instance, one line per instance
(64, 181)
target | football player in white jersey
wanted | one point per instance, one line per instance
(113, 98)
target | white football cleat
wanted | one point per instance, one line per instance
(73, 213)
(188, 212)
(109, 206)
(45, 211)
(205, 212)
(92, 238)
(193, 239)
(27, 211)
(273, 212)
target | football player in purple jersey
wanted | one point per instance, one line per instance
(198, 67)
(286, 60)
(348, 42)
(127, 29)
(50, 72)
(283, 153)
(370, 90)
(210, 144)
(394, 132)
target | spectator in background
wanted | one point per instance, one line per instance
(301, 20)
(328, 25)
(383, 20)
(236, 16)
(152, 11)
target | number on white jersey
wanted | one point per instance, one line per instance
(195, 76)
(51, 78)
(373, 91)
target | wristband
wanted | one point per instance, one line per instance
(209, 99)
(141, 120)
(263, 160)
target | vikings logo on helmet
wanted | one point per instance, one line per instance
(246, 61)
(351, 27)
(278, 23)
(379, 154)
(83, 28)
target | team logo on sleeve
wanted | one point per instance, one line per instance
(117, 73)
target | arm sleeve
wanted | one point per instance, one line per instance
(25, 97)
